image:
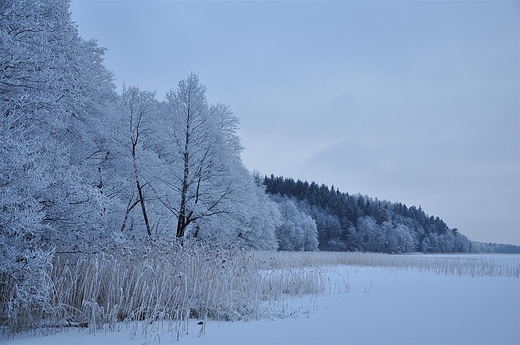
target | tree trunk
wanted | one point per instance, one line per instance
(184, 220)
(140, 192)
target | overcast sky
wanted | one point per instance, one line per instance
(410, 101)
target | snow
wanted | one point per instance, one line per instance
(381, 306)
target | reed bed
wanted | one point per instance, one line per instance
(105, 291)
(506, 265)
(172, 286)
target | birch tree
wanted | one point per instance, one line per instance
(197, 173)
(138, 106)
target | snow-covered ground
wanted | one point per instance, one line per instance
(363, 305)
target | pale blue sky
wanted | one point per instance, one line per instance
(409, 101)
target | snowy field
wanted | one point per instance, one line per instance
(359, 305)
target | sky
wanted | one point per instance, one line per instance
(415, 102)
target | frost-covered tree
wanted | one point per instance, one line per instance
(196, 177)
(227, 124)
(23, 229)
(206, 186)
(251, 217)
(52, 89)
(201, 179)
(261, 217)
(297, 231)
(138, 106)
(44, 92)
(373, 239)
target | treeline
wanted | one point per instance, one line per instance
(481, 247)
(360, 223)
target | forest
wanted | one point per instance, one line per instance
(87, 170)
(360, 223)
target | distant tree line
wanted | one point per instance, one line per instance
(359, 223)
(481, 247)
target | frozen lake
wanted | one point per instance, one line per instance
(362, 305)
